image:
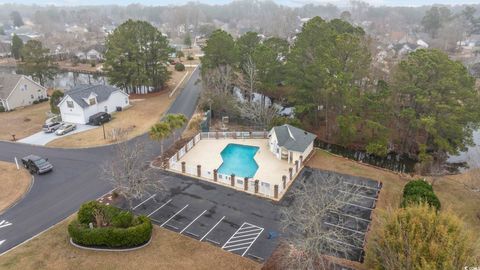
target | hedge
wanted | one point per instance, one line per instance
(124, 231)
(419, 191)
(111, 237)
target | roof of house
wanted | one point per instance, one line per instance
(83, 91)
(292, 138)
(8, 83)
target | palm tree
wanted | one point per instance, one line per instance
(175, 121)
(159, 132)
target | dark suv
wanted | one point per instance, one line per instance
(36, 164)
(99, 118)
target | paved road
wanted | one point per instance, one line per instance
(75, 179)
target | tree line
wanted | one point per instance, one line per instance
(427, 108)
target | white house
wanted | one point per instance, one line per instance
(93, 55)
(19, 91)
(83, 101)
(289, 143)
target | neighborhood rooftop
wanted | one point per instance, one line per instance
(81, 92)
(7, 84)
(292, 138)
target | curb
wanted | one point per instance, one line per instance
(17, 201)
(109, 249)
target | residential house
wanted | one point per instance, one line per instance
(83, 101)
(19, 91)
(289, 143)
(81, 55)
(94, 55)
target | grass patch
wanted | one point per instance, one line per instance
(23, 122)
(14, 183)
(168, 250)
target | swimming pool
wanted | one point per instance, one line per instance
(238, 160)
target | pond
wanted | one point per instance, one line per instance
(66, 80)
(471, 157)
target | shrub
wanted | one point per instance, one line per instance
(190, 58)
(2, 109)
(112, 237)
(123, 219)
(419, 191)
(85, 213)
(179, 67)
(36, 101)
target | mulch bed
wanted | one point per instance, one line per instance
(161, 160)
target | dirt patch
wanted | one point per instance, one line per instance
(23, 122)
(168, 250)
(15, 183)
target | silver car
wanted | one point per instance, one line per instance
(51, 127)
(65, 128)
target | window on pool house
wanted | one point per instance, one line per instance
(70, 104)
(92, 101)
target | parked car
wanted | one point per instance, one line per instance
(65, 128)
(36, 165)
(51, 127)
(99, 118)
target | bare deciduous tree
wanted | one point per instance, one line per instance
(129, 173)
(250, 76)
(313, 223)
(258, 113)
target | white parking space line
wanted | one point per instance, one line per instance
(154, 211)
(193, 221)
(243, 238)
(144, 201)
(212, 228)
(4, 223)
(174, 215)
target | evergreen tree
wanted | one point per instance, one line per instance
(136, 57)
(37, 62)
(17, 45)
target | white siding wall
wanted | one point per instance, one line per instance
(81, 115)
(273, 145)
(72, 115)
(25, 93)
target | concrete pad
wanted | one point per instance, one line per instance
(42, 138)
(206, 153)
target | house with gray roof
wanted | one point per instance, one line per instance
(83, 101)
(289, 143)
(19, 91)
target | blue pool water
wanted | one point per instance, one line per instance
(238, 160)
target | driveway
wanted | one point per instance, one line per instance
(42, 138)
(74, 180)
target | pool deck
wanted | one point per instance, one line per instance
(207, 154)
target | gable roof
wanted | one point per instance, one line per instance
(81, 91)
(292, 138)
(8, 83)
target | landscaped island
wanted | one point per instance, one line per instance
(105, 226)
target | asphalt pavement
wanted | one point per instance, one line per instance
(74, 179)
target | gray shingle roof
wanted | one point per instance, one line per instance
(292, 138)
(81, 91)
(7, 83)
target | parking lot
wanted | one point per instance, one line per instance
(241, 223)
(207, 222)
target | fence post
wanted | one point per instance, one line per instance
(245, 184)
(290, 171)
(199, 170)
(168, 164)
(284, 180)
(256, 186)
(216, 134)
(301, 161)
(215, 175)
(275, 191)
(296, 166)
(232, 180)
(183, 167)
(234, 135)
